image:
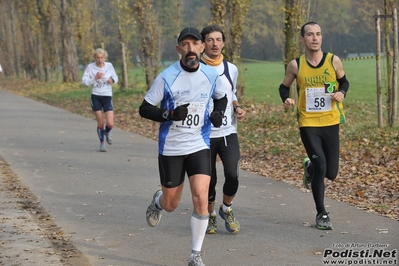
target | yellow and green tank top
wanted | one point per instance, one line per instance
(314, 85)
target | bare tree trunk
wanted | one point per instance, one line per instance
(69, 54)
(95, 15)
(388, 51)
(39, 57)
(150, 31)
(16, 54)
(55, 54)
(125, 82)
(52, 64)
(8, 45)
(378, 70)
(84, 23)
(29, 30)
(294, 19)
(291, 28)
(230, 15)
(395, 69)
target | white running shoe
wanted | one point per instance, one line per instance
(153, 215)
(196, 261)
(108, 137)
(102, 147)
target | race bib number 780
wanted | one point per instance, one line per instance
(194, 119)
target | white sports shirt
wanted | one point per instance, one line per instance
(173, 87)
(99, 87)
(229, 124)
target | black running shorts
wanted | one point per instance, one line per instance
(172, 169)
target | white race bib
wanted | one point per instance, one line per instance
(317, 100)
(194, 119)
(227, 116)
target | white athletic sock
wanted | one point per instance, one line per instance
(225, 208)
(198, 226)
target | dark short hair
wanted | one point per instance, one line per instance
(304, 25)
(212, 28)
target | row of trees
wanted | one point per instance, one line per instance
(43, 35)
(47, 39)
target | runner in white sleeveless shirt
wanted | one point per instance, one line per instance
(224, 139)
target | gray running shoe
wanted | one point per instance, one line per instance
(307, 179)
(212, 225)
(230, 222)
(153, 215)
(102, 147)
(197, 261)
(323, 221)
(108, 137)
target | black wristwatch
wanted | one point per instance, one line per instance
(165, 115)
(235, 108)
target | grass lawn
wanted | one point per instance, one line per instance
(263, 79)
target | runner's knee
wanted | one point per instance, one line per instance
(230, 187)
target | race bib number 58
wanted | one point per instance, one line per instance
(317, 100)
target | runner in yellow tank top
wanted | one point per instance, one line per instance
(321, 88)
(316, 107)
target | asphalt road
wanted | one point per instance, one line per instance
(99, 199)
